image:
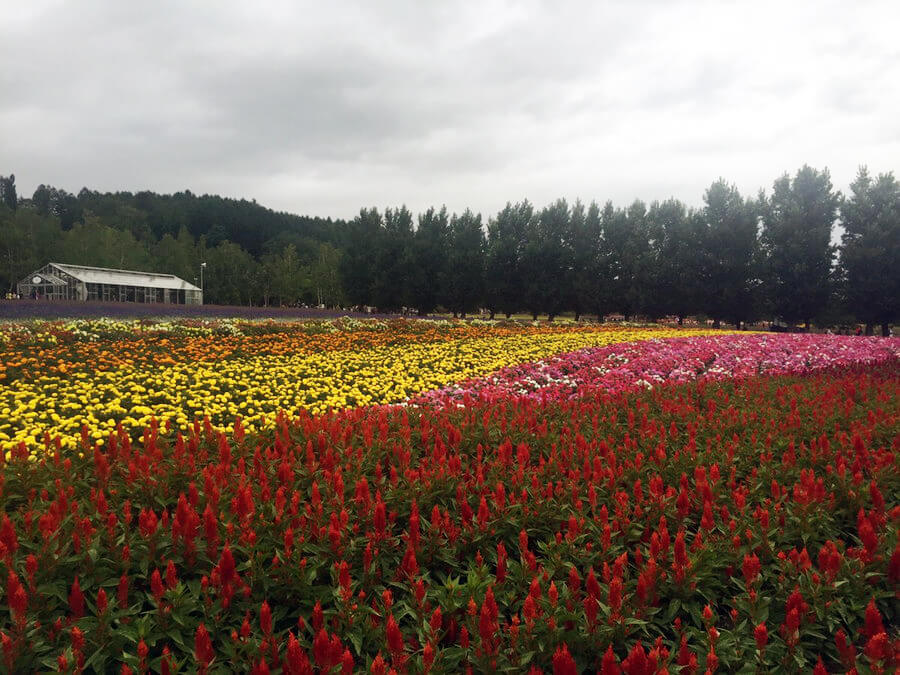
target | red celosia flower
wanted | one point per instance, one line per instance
(563, 663)
(637, 662)
(297, 663)
(761, 634)
(166, 665)
(171, 576)
(609, 665)
(427, 657)
(143, 651)
(76, 600)
(265, 619)
(750, 568)
(156, 586)
(347, 663)
(873, 625)
(203, 649)
(8, 541)
(615, 595)
(77, 639)
(394, 637)
(379, 667)
(878, 648)
(122, 592)
(845, 648)
(17, 598)
(501, 562)
(102, 601)
(318, 617)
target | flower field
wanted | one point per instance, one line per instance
(447, 498)
(97, 375)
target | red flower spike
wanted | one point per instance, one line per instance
(761, 635)
(203, 649)
(610, 665)
(873, 625)
(427, 657)
(265, 619)
(878, 648)
(563, 663)
(76, 600)
(394, 637)
(122, 592)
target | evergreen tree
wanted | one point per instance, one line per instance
(504, 273)
(730, 249)
(394, 261)
(431, 245)
(548, 261)
(8, 194)
(358, 264)
(676, 267)
(870, 258)
(584, 239)
(465, 288)
(796, 243)
(626, 257)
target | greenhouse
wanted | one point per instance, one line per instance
(58, 281)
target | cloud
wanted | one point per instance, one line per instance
(323, 108)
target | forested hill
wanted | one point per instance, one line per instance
(255, 228)
(169, 233)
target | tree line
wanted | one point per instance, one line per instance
(735, 258)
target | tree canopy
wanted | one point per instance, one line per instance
(733, 259)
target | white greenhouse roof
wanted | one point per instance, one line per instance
(103, 275)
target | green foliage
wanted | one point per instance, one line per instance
(430, 264)
(870, 257)
(465, 284)
(358, 267)
(796, 241)
(504, 265)
(665, 260)
(8, 195)
(394, 261)
(729, 248)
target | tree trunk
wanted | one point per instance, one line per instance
(534, 316)
(508, 314)
(455, 315)
(421, 312)
(680, 320)
(870, 329)
(807, 325)
(462, 315)
(577, 315)
(492, 315)
(717, 323)
(885, 329)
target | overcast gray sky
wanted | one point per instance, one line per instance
(320, 108)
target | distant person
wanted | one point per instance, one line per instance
(859, 330)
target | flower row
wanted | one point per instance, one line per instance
(744, 524)
(256, 376)
(653, 362)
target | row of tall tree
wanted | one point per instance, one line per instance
(735, 258)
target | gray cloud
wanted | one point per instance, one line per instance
(322, 108)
